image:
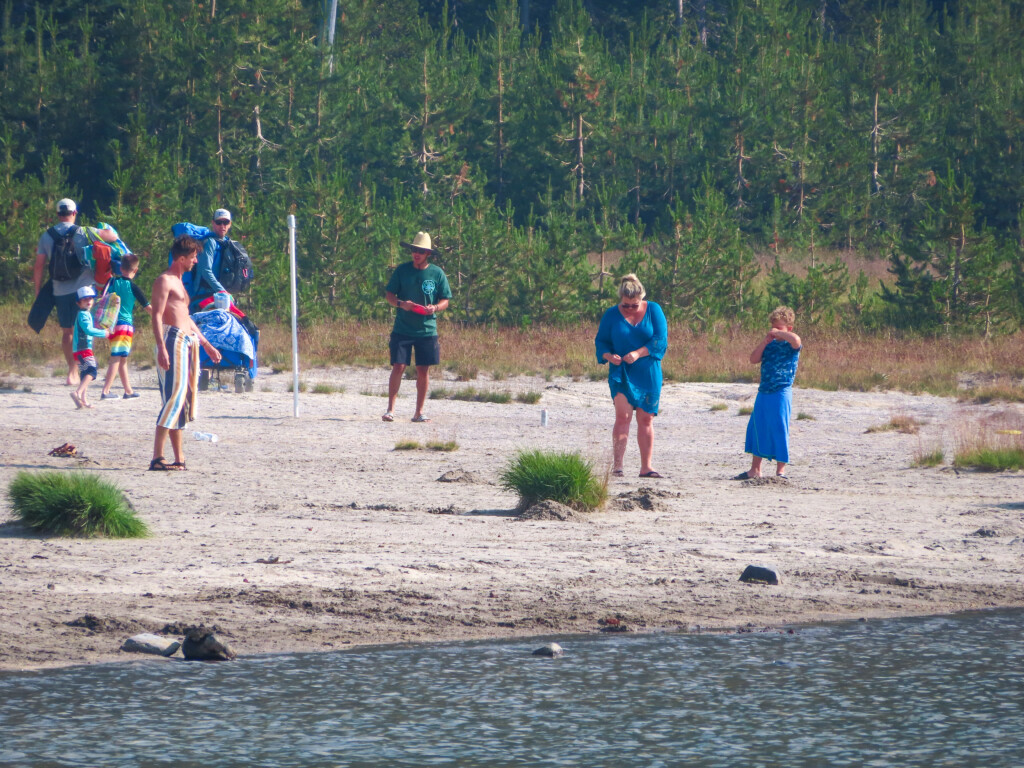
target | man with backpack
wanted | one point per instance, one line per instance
(219, 261)
(62, 247)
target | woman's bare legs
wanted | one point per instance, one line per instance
(620, 432)
(645, 439)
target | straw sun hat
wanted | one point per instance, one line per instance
(421, 241)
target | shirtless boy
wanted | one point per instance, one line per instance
(177, 354)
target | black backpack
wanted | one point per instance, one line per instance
(64, 262)
(236, 270)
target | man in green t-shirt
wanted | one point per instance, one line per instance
(419, 290)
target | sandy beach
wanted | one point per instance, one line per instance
(363, 544)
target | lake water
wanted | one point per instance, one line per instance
(931, 692)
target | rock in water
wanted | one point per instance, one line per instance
(759, 574)
(202, 645)
(550, 651)
(147, 643)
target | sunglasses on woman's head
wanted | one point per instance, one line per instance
(624, 305)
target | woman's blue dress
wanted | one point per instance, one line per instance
(768, 428)
(639, 381)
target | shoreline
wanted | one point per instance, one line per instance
(373, 549)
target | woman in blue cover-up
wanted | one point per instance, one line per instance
(632, 339)
(768, 428)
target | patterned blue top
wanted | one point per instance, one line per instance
(640, 381)
(778, 366)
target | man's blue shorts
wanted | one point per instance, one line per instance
(428, 349)
(67, 310)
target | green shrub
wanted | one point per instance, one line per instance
(291, 386)
(990, 459)
(719, 407)
(564, 477)
(529, 398)
(804, 417)
(745, 411)
(73, 504)
(407, 445)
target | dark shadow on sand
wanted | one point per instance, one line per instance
(14, 529)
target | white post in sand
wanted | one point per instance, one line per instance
(295, 320)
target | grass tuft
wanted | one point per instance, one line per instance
(932, 458)
(565, 477)
(328, 389)
(902, 423)
(407, 445)
(528, 398)
(442, 445)
(990, 459)
(745, 411)
(73, 504)
(804, 417)
(472, 395)
(719, 407)
(302, 386)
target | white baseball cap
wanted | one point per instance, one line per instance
(222, 213)
(66, 206)
(86, 292)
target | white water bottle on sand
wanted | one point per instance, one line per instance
(206, 437)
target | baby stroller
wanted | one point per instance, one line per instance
(237, 339)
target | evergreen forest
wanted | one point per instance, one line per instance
(548, 146)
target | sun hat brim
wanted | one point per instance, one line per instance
(410, 246)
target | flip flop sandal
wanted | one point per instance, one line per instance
(421, 419)
(178, 466)
(618, 473)
(159, 465)
(76, 398)
(651, 475)
(389, 416)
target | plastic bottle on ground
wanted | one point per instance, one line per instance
(207, 437)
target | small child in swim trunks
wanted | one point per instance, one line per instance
(81, 344)
(123, 331)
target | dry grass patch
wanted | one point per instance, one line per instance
(901, 423)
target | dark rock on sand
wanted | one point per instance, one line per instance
(201, 644)
(551, 510)
(759, 574)
(550, 651)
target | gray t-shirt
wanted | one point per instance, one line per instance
(64, 287)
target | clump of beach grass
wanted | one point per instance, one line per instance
(719, 407)
(804, 417)
(528, 398)
(745, 411)
(324, 388)
(932, 457)
(302, 386)
(992, 444)
(446, 446)
(73, 504)
(472, 395)
(565, 477)
(901, 422)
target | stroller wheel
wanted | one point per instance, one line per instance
(239, 382)
(248, 384)
(204, 380)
